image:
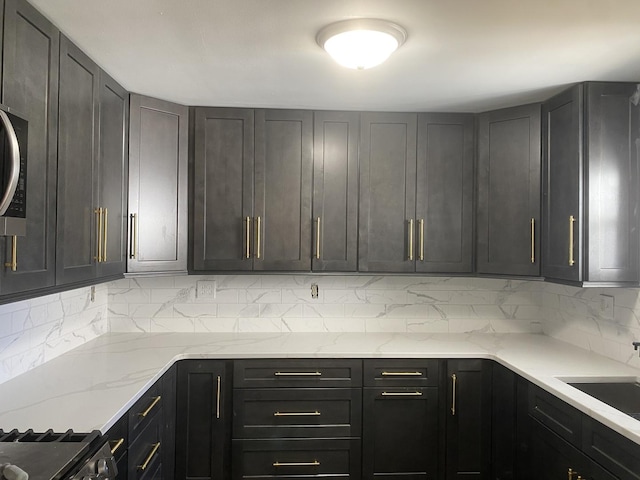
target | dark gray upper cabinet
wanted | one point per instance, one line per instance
(112, 175)
(335, 191)
(444, 198)
(158, 178)
(283, 184)
(591, 185)
(77, 251)
(508, 212)
(387, 192)
(223, 189)
(30, 87)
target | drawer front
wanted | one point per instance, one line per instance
(315, 373)
(145, 410)
(296, 459)
(616, 453)
(146, 451)
(556, 415)
(118, 436)
(290, 412)
(404, 372)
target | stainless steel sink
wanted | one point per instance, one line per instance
(622, 393)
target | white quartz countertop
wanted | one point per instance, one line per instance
(93, 385)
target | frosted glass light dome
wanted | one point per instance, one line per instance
(361, 43)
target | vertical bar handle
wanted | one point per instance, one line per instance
(13, 264)
(572, 221)
(104, 234)
(258, 228)
(98, 255)
(421, 253)
(218, 381)
(410, 239)
(533, 240)
(133, 240)
(318, 238)
(247, 253)
(454, 381)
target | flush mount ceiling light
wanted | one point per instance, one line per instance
(361, 43)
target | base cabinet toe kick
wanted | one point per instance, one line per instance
(357, 419)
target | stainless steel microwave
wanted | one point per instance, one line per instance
(13, 173)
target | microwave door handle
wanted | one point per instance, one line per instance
(14, 174)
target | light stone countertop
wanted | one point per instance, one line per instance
(92, 386)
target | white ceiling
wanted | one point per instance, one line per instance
(460, 55)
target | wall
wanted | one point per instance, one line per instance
(38, 330)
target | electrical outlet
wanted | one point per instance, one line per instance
(606, 306)
(314, 290)
(206, 289)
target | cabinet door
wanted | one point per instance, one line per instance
(203, 432)
(112, 173)
(283, 178)
(400, 433)
(444, 204)
(468, 419)
(30, 86)
(158, 180)
(509, 191)
(387, 192)
(335, 191)
(223, 189)
(562, 186)
(77, 154)
(612, 140)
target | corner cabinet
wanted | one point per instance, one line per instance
(590, 188)
(30, 86)
(158, 180)
(508, 213)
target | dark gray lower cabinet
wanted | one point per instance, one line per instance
(468, 419)
(30, 87)
(203, 431)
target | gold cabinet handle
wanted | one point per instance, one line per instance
(104, 234)
(298, 374)
(318, 238)
(421, 254)
(118, 443)
(296, 414)
(13, 264)
(98, 256)
(315, 463)
(258, 222)
(571, 473)
(572, 221)
(401, 394)
(401, 374)
(533, 240)
(411, 239)
(218, 382)
(454, 380)
(133, 243)
(155, 448)
(150, 407)
(247, 252)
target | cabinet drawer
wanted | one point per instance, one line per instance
(146, 451)
(616, 453)
(393, 372)
(296, 459)
(290, 412)
(118, 436)
(555, 414)
(145, 410)
(297, 373)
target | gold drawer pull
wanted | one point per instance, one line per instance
(401, 394)
(572, 220)
(533, 240)
(116, 446)
(153, 404)
(296, 414)
(315, 463)
(247, 253)
(410, 256)
(454, 388)
(13, 264)
(298, 374)
(155, 448)
(401, 374)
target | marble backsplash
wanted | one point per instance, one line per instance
(37, 330)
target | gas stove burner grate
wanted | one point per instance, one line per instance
(48, 436)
